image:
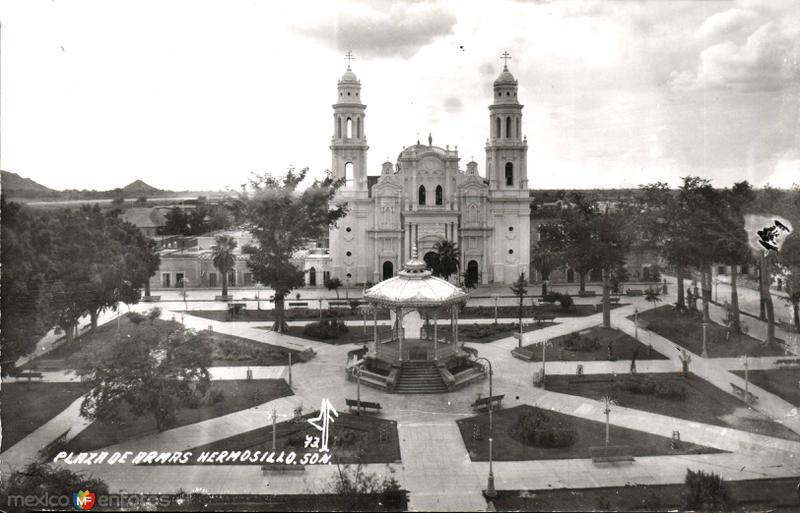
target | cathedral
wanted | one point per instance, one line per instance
(426, 197)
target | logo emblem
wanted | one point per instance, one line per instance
(83, 500)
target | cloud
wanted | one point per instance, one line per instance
(452, 104)
(726, 23)
(768, 60)
(386, 29)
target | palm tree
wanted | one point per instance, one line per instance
(447, 262)
(223, 258)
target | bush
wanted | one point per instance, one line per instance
(653, 385)
(136, 317)
(705, 492)
(581, 343)
(325, 329)
(541, 429)
(566, 301)
(153, 314)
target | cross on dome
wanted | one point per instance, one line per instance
(349, 57)
(505, 56)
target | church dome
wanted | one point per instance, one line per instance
(349, 76)
(505, 78)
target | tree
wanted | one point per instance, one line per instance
(24, 280)
(789, 263)
(223, 258)
(447, 259)
(333, 284)
(152, 373)
(651, 296)
(705, 492)
(608, 251)
(548, 253)
(283, 220)
(176, 222)
(519, 290)
(141, 200)
(45, 479)
(351, 483)
(578, 241)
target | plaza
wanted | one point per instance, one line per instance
(433, 454)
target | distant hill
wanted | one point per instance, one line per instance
(138, 187)
(13, 185)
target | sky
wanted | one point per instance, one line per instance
(199, 95)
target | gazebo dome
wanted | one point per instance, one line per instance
(415, 286)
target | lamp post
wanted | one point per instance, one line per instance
(636, 323)
(496, 297)
(274, 432)
(490, 491)
(705, 346)
(716, 290)
(258, 296)
(746, 381)
(290, 369)
(607, 410)
(356, 371)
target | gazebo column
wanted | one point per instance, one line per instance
(400, 332)
(435, 335)
(375, 332)
(455, 339)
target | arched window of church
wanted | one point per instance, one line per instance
(508, 127)
(339, 127)
(519, 128)
(509, 174)
(349, 128)
(438, 194)
(497, 127)
(387, 215)
(348, 174)
(358, 128)
(472, 216)
(421, 198)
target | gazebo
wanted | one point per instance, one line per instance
(417, 354)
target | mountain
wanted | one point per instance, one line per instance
(15, 186)
(138, 187)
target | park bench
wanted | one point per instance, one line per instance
(48, 451)
(352, 403)
(282, 467)
(298, 304)
(29, 374)
(614, 300)
(587, 293)
(611, 454)
(339, 304)
(547, 301)
(634, 292)
(741, 393)
(522, 354)
(788, 361)
(643, 323)
(494, 402)
(545, 317)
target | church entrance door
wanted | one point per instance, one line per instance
(388, 270)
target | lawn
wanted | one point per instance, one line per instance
(26, 406)
(353, 335)
(593, 345)
(292, 314)
(508, 446)
(354, 439)
(227, 349)
(785, 383)
(487, 312)
(753, 495)
(237, 395)
(686, 330)
(703, 401)
(483, 333)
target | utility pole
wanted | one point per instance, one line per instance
(274, 432)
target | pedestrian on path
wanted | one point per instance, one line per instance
(633, 360)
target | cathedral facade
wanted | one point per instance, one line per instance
(426, 197)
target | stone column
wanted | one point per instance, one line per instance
(400, 332)
(375, 333)
(435, 336)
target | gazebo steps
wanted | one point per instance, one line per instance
(420, 378)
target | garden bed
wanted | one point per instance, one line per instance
(686, 330)
(236, 395)
(785, 383)
(291, 314)
(353, 335)
(702, 402)
(752, 495)
(593, 345)
(353, 439)
(510, 446)
(512, 312)
(483, 333)
(27, 406)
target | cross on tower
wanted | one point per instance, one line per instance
(349, 57)
(505, 58)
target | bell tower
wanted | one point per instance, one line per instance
(507, 171)
(349, 141)
(506, 148)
